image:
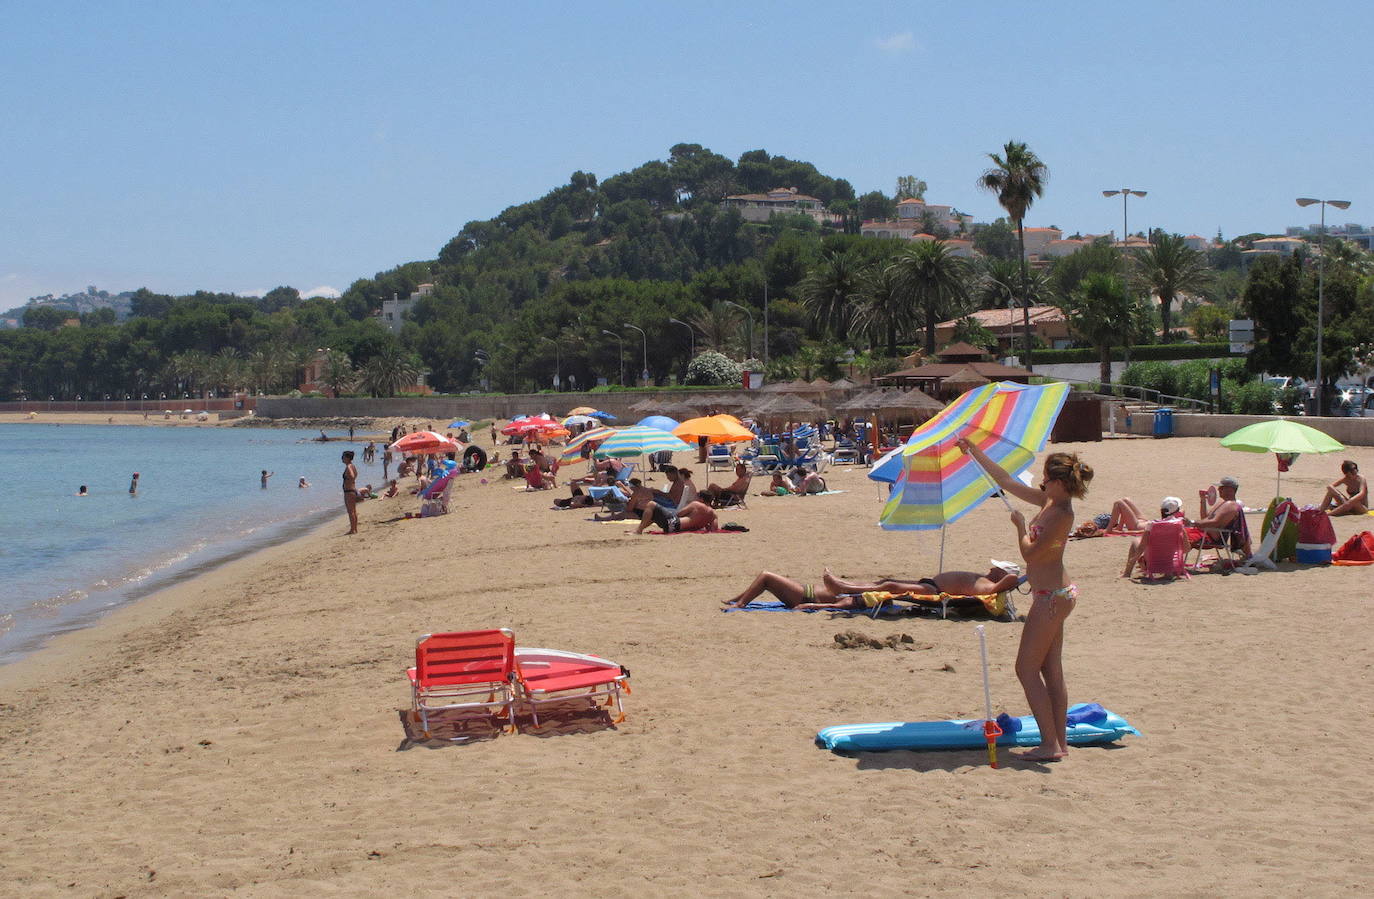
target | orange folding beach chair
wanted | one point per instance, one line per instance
(464, 670)
(550, 675)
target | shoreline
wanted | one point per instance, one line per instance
(241, 730)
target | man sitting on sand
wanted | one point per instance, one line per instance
(1347, 495)
(717, 496)
(833, 593)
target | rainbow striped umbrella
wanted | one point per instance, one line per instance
(638, 440)
(573, 451)
(935, 483)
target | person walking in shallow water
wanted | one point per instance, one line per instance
(265, 475)
(350, 491)
(1039, 660)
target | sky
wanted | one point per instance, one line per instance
(242, 146)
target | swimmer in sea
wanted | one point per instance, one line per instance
(302, 483)
(265, 475)
(82, 491)
(133, 484)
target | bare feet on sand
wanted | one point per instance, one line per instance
(836, 585)
(1038, 755)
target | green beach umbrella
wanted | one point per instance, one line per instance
(1286, 439)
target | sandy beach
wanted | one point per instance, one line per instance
(244, 731)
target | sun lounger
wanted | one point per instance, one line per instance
(456, 670)
(551, 675)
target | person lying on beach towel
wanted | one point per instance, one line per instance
(833, 593)
(1127, 518)
(695, 516)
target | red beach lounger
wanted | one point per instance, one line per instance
(464, 670)
(551, 675)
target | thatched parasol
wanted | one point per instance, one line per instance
(843, 384)
(962, 379)
(648, 404)
(789, 387)
(910, 399)
(821, 384)
(792, 406)
(868, 401)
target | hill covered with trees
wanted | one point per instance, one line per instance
(646, 267)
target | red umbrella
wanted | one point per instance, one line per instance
(533, 423)
(423, 443)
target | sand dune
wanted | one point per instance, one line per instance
(241, 731)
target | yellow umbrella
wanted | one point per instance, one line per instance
(582, 410)
(715, 428)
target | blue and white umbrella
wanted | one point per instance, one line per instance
(460, 423)
(604, 416)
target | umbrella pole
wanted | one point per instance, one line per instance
(990, 729)
(941, 566)
(1000, 492)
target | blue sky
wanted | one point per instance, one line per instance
(239, 146)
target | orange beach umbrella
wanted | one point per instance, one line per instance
(715, 428)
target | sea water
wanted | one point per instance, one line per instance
(65, 560)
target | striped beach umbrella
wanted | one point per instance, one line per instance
(573, 451)
(935, 483)
(638, 440)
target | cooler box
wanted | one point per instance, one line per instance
(1314, 553)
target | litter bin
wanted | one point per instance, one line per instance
(1164, 422)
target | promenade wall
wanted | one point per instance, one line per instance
(1350, 431)
(225, 404)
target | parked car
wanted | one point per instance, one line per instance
(1352, 401)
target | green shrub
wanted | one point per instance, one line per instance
(1247, 397)
(1138, 353)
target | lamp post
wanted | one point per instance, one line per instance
(622, 353)
(644, 375)
(1125, 234)
(690, 330)
(749, 312)
(1321, 288)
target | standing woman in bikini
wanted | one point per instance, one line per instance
(1039, 661)
(350, 491)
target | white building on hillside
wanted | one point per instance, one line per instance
(392, 314)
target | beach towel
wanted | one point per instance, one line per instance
(1358, 550)
(1287, 548)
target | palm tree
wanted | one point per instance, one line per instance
(1017, 177)
(338, 374)
(1102, 312)
(998, 283)
(883, 311)
(1169, 268)
(932, 280)
(826, 291)
(386, 373)
(720, 328)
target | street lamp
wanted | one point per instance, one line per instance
(750, 313)
(644, 375)
(1321, 288)
(622, 353)
(1125, 234)
(690, 330)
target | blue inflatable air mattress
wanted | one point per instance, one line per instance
(1089, 723)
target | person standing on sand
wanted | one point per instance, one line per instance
(265, 475)
(1039, 660)
(493, 434)
(350, 491)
